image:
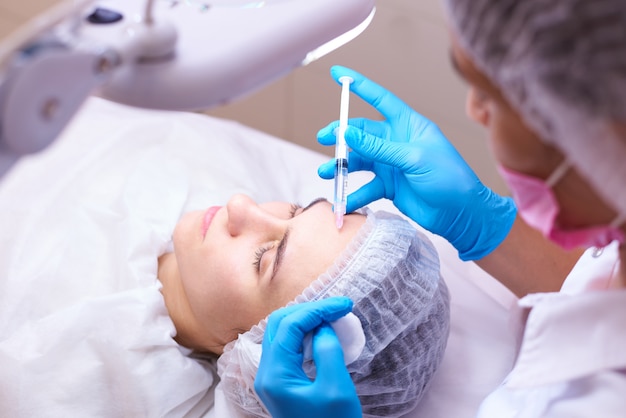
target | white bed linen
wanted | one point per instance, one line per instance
(83, 328)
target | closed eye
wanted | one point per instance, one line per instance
(258, 256)
(293, 211)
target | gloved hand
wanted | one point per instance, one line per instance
(281, 383)
(420, 171)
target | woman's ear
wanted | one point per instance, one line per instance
(477, 106)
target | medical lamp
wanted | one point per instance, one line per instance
(159, 54)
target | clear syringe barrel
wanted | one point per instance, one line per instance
(341, 190)
(341, 155)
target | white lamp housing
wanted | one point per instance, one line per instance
(159, 54)
(225, 48)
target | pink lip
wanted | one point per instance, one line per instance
(208, 217)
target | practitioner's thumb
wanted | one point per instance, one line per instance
(328, 357)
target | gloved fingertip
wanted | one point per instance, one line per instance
(337, 67)
(326, 135)
(335, 307)
(323, 132)
(337, 71)
(326, 170)
(325, 341)
(346, 301)
(355, 202)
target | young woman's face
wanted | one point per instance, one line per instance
(240, 262)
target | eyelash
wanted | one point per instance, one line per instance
(258, 254)
(294, 208)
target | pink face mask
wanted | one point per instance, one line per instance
(538, 206)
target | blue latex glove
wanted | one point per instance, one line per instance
(420, 171)
(281, 383)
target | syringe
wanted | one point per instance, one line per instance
(341, 154)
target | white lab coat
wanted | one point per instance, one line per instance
(572, 357)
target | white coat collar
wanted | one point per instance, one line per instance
(569, 336)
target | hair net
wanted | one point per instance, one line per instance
(391, 272)
(562, 65)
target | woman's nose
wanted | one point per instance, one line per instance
(245, 215)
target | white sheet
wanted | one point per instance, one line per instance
(83, 328)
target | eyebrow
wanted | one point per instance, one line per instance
(313, 203)
(282, 245)
(280, 252)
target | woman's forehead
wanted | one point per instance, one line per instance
(466, 69)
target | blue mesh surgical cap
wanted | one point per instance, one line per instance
(391, 272)
(562, 65)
